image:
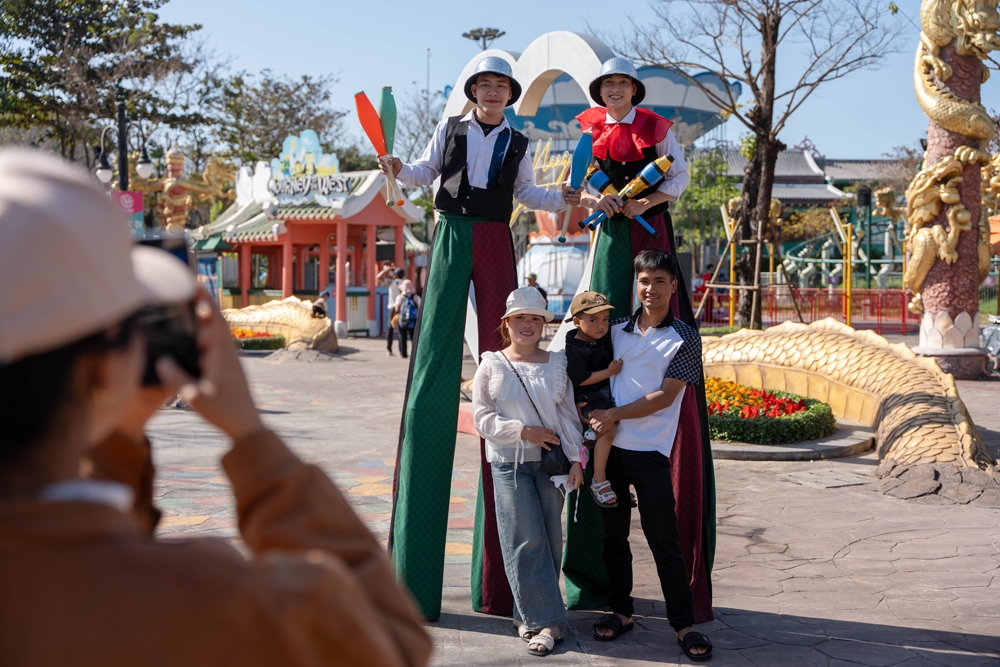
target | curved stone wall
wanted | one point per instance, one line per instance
(913, 405)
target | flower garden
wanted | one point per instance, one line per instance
(743, 414)
(257, 340)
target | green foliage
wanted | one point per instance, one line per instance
(718, 331)
(255, 113)
(748, 145)
(275, 342)
(64, 64)
(696, 214)
(815, 422)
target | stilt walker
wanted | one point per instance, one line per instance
(484, 165)
(626, 139)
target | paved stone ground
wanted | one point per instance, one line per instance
(804, 575)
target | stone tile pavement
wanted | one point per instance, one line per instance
(804, 575)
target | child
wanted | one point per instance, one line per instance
(590, 364)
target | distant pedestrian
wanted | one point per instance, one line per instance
(532, 279)
(391, 276)
(319, 305)
(405, 313)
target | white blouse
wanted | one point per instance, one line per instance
(501, 408)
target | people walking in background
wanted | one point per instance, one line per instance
(522, 403)
(391, 276)
(532, 279)
(405, 313)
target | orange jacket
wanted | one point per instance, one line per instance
(81, 583)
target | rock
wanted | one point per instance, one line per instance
(888, 484)
(933, 499)
(960, 493)
(919, 473)
(990, 498)
(978, 478)
(884, 468)
(914, 489)
(899, 470)
(949, 473)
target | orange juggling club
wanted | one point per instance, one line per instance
(372, 125)
(370, 122)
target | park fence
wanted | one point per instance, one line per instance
(883, 311)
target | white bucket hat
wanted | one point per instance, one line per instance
(527, 300)
(494, 65)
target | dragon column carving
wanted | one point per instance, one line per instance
(943, 201)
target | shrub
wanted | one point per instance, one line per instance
(743, 414)
(265, 342)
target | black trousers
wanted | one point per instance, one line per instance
(649, 473)
(389, 329)
(403, 333)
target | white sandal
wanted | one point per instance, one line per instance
(524, 633)
(603, 495)
(542, 644)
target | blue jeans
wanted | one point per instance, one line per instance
(529, 520)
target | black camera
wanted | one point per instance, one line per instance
(170, 329)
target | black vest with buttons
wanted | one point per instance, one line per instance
(495, 202)
(622, 173)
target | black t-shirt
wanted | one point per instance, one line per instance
(486, 128)
(584, 358)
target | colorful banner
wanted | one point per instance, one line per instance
(131, 205)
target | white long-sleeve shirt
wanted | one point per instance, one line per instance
(677, 178)
(478, 155)
(501, 409)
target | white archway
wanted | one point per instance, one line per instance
(552, 54)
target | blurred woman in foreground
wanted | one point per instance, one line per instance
(83, 583)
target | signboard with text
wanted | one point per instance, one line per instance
(304, 173)
(131, 205)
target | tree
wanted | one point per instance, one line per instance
(818, 41)
(64, 64)
(254, 114)
(697, 215)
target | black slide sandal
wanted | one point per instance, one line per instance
(693, 639)
(613, 623)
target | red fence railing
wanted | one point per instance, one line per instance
(881, 310)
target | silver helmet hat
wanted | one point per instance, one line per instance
(617, 66)
(494, 65)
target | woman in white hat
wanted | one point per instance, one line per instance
(522, 404)
(314, 587)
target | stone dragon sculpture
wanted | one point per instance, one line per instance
(292, 318)
(973, 25)
(913, 405)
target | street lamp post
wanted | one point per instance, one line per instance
(143, 168)
(484, 36)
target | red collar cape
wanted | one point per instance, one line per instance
(623, 142)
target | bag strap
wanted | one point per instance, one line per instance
(518, 376)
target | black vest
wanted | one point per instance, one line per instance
(456, 195)
(622, 173)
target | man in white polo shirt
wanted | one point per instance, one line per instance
(660, 357)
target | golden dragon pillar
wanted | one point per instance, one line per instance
(947, 263)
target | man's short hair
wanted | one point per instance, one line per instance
(654, 259)
(399, 273)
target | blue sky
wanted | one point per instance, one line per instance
(371, 43)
